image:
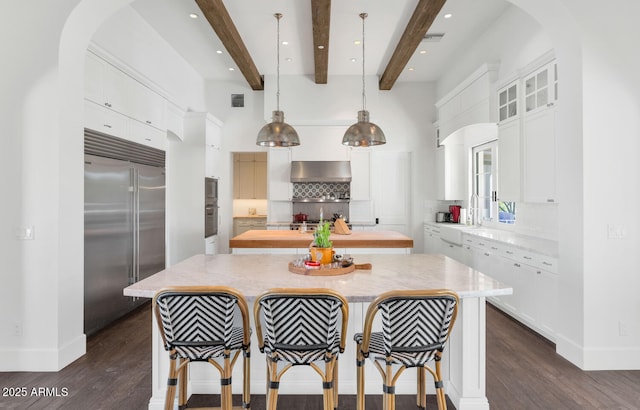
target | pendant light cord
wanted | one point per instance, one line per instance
(278, 16)
(364, 97)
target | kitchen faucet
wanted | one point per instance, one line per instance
(474, 209)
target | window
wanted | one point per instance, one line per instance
(484, 181)
(485, 176)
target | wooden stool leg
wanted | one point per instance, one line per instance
(272, 384)
(359, 380)
(442, 400)
(225, 382)
(421, 395)
(328, 392)
(182, 382)
(335, 384)
(389, 394)
(171, 383)
(246, 371)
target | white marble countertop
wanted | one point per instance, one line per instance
(253, 274)
(526, 242)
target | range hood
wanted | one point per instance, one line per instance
(320, 171)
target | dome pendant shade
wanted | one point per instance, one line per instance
(277, 133)
(363, 133)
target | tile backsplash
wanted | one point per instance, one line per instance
(320, 189)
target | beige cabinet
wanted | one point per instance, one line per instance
(250, 175)
(242, 225)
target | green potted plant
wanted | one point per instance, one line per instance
(322, 247)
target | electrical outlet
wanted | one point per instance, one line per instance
(616, 232)
(17, 328)
(622, 329)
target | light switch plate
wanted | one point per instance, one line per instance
(616, 232)
(26, 233)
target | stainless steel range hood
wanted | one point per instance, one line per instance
(320, 171)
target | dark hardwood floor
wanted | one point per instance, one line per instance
(523, 372)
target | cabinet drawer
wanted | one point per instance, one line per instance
(548, 263)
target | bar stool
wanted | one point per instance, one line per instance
(197, 324)
(415, 328)
(301, 328)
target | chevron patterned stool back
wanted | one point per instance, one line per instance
(197, 324)
(415, 328)
(302, 327)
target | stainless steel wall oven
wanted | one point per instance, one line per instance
(210, 207)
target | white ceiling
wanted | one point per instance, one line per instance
(196, 41)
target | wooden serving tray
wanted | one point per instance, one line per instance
(321, 272)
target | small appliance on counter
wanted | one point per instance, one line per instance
(454, 211)
(443, 217)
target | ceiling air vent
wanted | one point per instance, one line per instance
(432, 37)
(237, 100)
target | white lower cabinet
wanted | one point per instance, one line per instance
(431, 239)
(532, 276)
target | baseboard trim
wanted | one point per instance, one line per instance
(42, 360)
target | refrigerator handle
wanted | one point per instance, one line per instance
(135, 221)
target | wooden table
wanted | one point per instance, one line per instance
(357, 242)
(464, 362)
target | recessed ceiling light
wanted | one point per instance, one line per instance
(423, 51)
(356, 42)
(288, 59)
(448, 15)
(193, 15)
(285, 43)
(353, 60)
(232, 69)
(411, 68)
(320, 47)
(218, 51)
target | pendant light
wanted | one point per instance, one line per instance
(278, 133)
(363, 133)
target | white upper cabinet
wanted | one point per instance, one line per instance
(360, 174)
(469, 103)
(527, 134)
(541, 88)
(279, 174)
(213, 142)
(539, 130)
(509, 164)
(116, 90)
(451, 172)
(508, 103)
(539, 134)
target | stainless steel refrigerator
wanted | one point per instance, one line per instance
(124, 229)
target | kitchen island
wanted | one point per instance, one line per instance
(291, 241)
(464, 361)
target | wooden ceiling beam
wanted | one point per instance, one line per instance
(321, 19)
(420, 22)
(219, 19)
